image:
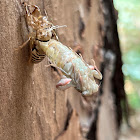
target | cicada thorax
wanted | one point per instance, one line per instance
(45, 32)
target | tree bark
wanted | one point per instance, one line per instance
(31, 106)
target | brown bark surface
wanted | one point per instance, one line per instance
(31, 108)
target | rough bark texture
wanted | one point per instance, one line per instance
(112, 99)
(31, 106)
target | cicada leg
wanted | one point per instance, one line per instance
(31, 47)
(64, 83)
(58, 68)
(97, 74)
(95, 71)
(46, 13)
(56, 37)
(23, 45)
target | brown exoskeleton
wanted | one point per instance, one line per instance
(39, 29)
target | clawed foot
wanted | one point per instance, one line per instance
(64, 83)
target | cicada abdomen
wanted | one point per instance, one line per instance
(36, 55)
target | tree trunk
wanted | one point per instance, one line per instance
(31, 106)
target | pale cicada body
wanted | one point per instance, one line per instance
(77, 73)
(44, 42)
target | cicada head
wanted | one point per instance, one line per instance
(89, 86)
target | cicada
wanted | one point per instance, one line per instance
(44, 42)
